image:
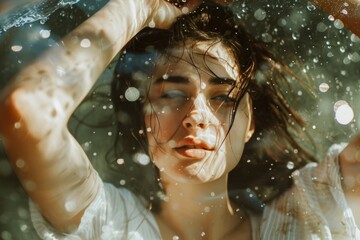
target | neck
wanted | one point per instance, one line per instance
(199, 210)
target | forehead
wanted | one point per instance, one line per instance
(208, 57)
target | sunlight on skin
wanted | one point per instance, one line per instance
(169, 130)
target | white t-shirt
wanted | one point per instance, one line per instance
(313, 208)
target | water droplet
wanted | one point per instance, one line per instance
(120, 161)
(338, 24)
(17, 125)
(16, 48)
(141, 158)
(321, 27)
(152, 24)
(344, 114)
(45, 33)
(85, 43)
(122, 182)
(260, 14)
(70, 206)
(132, 94)
(20, 163)
(185, 10)
(324, 87)
(354, 38)
(266, 37)
(290, 165)
(310, 7)
(295, 36)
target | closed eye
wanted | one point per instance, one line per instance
(224, 99)
(174, 94)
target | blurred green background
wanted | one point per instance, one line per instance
(310, 41)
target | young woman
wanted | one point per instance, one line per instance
(187, 94)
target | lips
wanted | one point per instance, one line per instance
(193, 148)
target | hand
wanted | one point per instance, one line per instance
(168, 10)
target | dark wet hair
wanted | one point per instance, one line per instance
(276, 148)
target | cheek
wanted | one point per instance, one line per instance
(163, 126)
(237, 137)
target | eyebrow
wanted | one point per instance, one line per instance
(172, 79)
(183, 80)
(222, 81)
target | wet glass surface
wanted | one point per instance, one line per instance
(308, 40)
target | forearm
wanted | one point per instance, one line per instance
(37, 104)
(347, 11)
(72, 67)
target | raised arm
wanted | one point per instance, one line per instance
(36, 106)
(347, 11)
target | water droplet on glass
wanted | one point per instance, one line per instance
(295, 36)
(260, 14)
(122, 182)
(355, 57)
(321, 27)
(16, 48)
(141, 158)
(290, 165)
(120, 161)
(338, 24)
(70, 206)
(324, 87)
(354, 38)
(132, 94)
(152, 24)
(45, 33)
(266, 37)
(344, 114)
(331, 18)
(310, 7)
(17, 125)
(185, 10)
(85, 43)
(20, 163)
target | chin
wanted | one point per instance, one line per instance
(193, 175)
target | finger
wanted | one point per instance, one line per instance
(165, 15)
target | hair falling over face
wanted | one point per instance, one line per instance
(278, 128)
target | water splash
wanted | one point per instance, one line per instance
(32, 12)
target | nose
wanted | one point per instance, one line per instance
(199, 114)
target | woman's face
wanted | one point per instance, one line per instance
(188, 112)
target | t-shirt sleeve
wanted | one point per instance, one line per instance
(115, 213)
(315, 207)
